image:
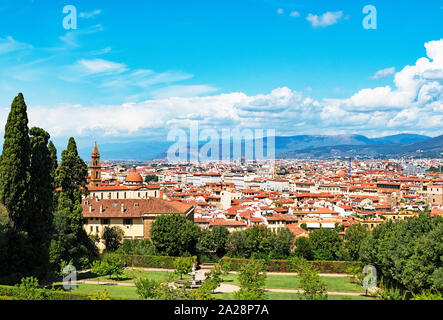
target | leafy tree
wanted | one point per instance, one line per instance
(214, 240)
(237, 245)
(260, 241)
(283, 243)
(183, 265)
(174, 235)
(109, 266)
(150, 178)
(324, 241)
(204, 292)
(252, 281)
(147, 288)
(354, 235)
(303, 248)
(322, 254)
(312, 285)
(406, 253)
(15, 164)
(113, 237)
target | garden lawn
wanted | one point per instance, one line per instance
(273, 281)
(290, 296)
(114, 291)
(129, 275)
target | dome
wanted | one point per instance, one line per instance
(341, 173)
(134, 177)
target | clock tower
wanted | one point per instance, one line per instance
(96, 172)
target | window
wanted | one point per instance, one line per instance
(127, 221)
(92, 229)
(96, 229)
(104, 221)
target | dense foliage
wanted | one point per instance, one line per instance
(70, 241)
(174, 235)
(259, 242)
(252, 279)
(408, 254)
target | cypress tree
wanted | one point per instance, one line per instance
(53, 155)
(15, 165)
(71, 243)
(54, 165)
(41, 191)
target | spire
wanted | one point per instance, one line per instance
(95, 151)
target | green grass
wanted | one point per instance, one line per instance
(114, 291)
(273, 281)
(290, 296)
(129, 275)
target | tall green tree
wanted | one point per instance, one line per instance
(15, 164)
(54, 165)
(174, 235)
(71, 241)
(252, 280)
(354, 236)
(214, 240)
(40, 221)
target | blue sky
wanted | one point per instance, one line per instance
(142, 67)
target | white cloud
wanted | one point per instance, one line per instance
(100, 66)
(294, 14)
(326, 19)
(414, 103)
(280, 11)
(91, 14)
(71, 38)
(183, 91)
(384, 73)
(8, 45)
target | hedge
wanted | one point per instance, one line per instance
(10, 292)
(285, 266)
(145, 261)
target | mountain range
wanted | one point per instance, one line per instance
(299, 146)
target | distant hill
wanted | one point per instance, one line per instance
(299, 146)
(428, 148)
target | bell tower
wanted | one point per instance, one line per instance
(96, 173)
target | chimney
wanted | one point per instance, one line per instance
(123, 207)
(101, 208)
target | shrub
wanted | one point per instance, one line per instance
(288, 265)
(184, 265)
(312, 285)
(112, 266)
(145, 261)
